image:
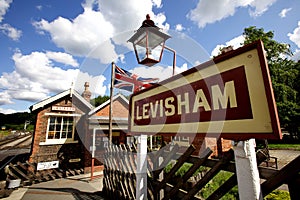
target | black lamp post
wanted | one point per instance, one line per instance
(149, 44)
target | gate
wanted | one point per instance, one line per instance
(120, 174)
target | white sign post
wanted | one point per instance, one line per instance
(141, 171)
(246, 170)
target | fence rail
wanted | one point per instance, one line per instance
(120, 174)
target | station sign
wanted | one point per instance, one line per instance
(48, 165)
(230, 95)
(63, 108)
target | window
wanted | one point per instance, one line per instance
(60, 128)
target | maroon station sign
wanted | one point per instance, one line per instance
(230, 96)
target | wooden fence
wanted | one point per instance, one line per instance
(120, 179)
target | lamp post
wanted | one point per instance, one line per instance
(149, 44)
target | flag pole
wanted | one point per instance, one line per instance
(111, 99)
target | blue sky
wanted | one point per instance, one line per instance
(49, 46)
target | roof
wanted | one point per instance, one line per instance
(106, 103)
(49, 100)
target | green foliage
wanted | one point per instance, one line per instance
(219, 180)
(4, 134)
(183, 169)
(295, 147)
(278, 195)
(16, 121)
(215, 183)
(285, 78)
(273, 48)
(99, 100)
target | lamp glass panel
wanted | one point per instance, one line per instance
(154, 53)
(141, 40)
(154, 40)
(141, 52)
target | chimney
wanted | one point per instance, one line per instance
(87, 93)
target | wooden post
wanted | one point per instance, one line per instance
(219, 147)
(111, 99)
(93, 153)
(246, 170)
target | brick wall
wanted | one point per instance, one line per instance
(201, 143)
(119, 110)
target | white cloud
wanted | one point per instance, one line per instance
(93, 33)
(35, 78)
(260, 7)
(4, 5)
(235, 43)
(96, 84)
(10, 31)
(39, 7)
(179, 27)
(80, 36)
(157, 3)
(295, 36)
(283, 12)
(207, 12)
(296, 55)
(10, 111)
(5, 98)
(158, 71)
(90, 33)
(61, 57)
(7, 29)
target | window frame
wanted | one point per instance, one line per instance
(49, 141)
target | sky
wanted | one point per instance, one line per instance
(48, 46)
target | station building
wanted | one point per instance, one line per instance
(60, 130)
(69, 130)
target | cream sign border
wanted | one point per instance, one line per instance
(265, 122)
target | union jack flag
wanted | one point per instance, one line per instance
(131, 82)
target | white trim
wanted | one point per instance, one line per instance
(58, 141)
(63, 114)
(61, 140)
(49, 100)
(83, 100)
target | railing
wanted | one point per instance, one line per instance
(120, 174)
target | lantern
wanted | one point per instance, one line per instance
(148, 43)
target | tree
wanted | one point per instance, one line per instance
(274, 49)
(100, 100)
(284, 75)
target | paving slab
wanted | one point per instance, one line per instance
(70, 188)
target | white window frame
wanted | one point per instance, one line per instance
(61, 140)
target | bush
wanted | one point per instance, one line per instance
(278, 195)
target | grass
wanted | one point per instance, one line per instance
(285, 146)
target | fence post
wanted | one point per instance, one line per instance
(141, 171)
(246, 170)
